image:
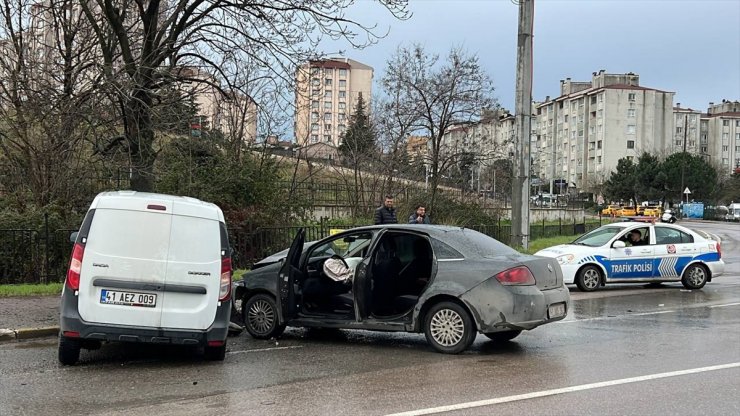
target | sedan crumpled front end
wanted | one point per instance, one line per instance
(508, 301)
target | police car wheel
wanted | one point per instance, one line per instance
(588, 278)
(695, 277)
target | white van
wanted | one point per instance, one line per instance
(147, 268)
(733, 212)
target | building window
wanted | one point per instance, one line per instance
(725, 161)
(601, 113)
(631, 96)
(327, 105)
(342, 127)
(703, 149)
(631, 113)
(678, 142)
(598, 160)
(327, 138)
(725, 136)
(598, 144)
(315, 127)
(314, 116)
(342, 94)
(315, 104)
(630, 144)
(737, 123)
(327, 127)
(342, 106)
(317, 92)
(327, 94)
(679, 130)
(315, 71)
(314, 138)
(737, 136)
(315, 82)
(726, 123)
(593, 100)
(631, 129)
(343, 73)
(327, 116)
(342, 117)
(601, 97)
(737, 148)
(342, 83)
(327, 82)
(725, 148)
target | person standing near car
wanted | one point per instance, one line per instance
(420, 216)
(386, 214)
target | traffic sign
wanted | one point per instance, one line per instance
(686, 191)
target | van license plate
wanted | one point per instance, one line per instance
(115, 297)
(556, 310)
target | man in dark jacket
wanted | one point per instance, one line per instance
(386, 214)
(420, 216)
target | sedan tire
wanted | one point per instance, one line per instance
(449, 328)
(503, 336)
(695, 276)
(261, 317)
(588, 278)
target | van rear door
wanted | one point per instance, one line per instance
(193, 274)
(125, 262)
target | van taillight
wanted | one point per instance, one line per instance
(225, 289)
(75, 266)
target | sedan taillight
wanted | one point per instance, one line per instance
(519, 276)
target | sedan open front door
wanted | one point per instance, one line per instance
(289, 272)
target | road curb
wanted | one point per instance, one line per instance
(27, 333)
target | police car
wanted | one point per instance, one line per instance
(660, 253)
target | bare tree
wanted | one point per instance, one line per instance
(145, 43)
(49, 99)
(442, 94)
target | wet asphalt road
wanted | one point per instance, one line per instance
(632, 337)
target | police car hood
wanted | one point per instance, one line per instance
(559, 250)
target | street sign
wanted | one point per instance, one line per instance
(686, 191)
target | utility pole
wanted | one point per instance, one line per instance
(683, 156)
(520, 188)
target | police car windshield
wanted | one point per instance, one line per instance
(598, 237)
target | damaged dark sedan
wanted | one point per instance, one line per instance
(448, 282)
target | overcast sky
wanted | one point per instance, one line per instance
(690, 47)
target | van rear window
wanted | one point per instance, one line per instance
(133, 234)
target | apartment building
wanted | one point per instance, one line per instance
(491, 138)
(689, 131)
(326, 95)
(417, 148)
(720, 140)
(584, 132)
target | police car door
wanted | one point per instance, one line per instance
(674, 249)
(632, 262)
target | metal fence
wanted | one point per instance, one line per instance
(42, 256)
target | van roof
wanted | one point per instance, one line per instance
(140, 201)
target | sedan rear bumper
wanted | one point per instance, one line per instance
(503, 308)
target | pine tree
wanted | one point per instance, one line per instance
(359, 138)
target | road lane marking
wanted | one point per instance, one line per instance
(572, 389)
(266, 349)
(648, 313)
(726, 304)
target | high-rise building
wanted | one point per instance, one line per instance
(584, 132)
(720, 140)
(326, 95)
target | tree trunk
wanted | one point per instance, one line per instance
(140, 136)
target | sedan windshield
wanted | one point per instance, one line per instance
(598, 237)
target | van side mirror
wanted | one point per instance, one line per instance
(619, 244)
(73, 237)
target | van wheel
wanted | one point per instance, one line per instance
(588, 278)
(69, 350)
(216, 353)
(261, 317)
(694, 277)
(449, 328)
(503, 336)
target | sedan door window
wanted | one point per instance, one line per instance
(665, 235)
(598, 237)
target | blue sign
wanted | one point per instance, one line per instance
(693, 210)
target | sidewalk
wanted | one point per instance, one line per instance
(28, 317)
